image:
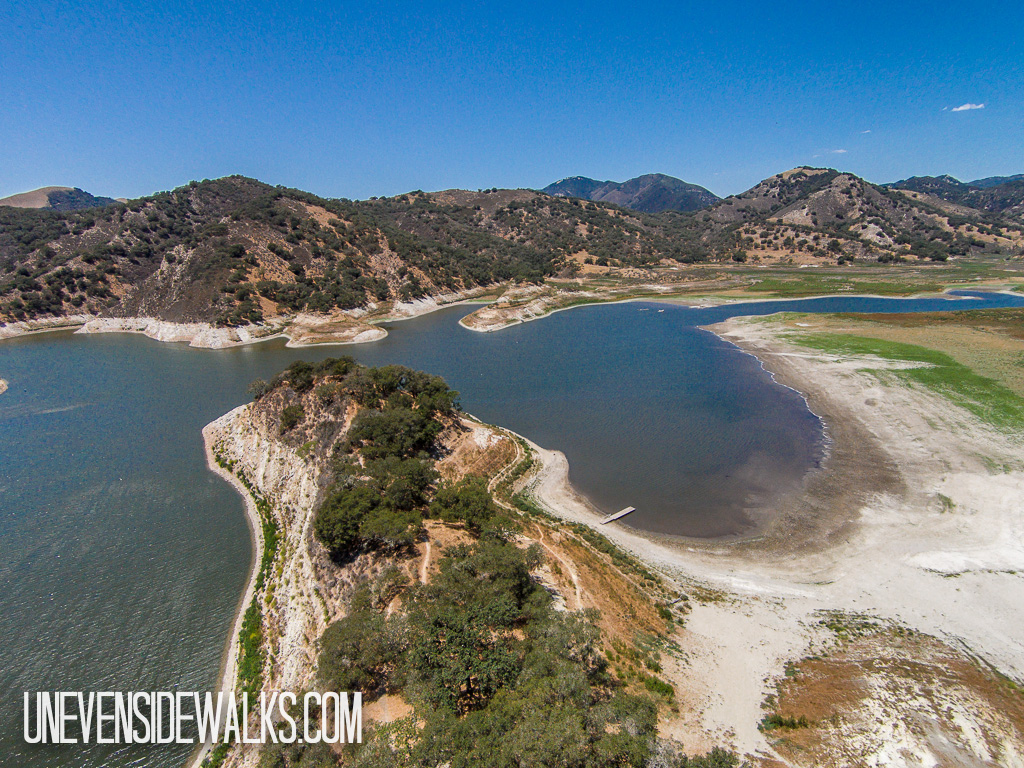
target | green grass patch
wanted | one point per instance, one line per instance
(989, 400)
(252, 653)
(1005, 321)
(217, 756)
(775, 720)
(814, 285)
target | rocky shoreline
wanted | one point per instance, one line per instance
(303, 330)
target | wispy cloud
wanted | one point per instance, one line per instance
(968, 105)
(838, 151)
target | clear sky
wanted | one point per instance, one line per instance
(377, 98)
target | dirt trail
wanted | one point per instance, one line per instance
(496, 480)
(506, 470)
(568, 566)
(425, 564)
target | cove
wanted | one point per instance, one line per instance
(122, 557)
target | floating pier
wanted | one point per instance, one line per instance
(617, 515)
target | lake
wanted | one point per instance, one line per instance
(122, 557)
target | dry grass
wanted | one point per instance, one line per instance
(632, 629)
(475, 450)
(892, 694)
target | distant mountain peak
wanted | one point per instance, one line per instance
(996, 194)
(996, 181)
(57, 199)
(649, 193)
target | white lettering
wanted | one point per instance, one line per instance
(182, 718)
(141, 717)
(208, 718)
(39, 720)
(307, 737)
(283, 708)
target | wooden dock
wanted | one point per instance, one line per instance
(617, 515)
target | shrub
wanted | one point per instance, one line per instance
(355, 652)
(468, 501)
(394, 432)
(259, 388)
(336, 523)
(389, 528)
(403, 482)
(291, 416)
(775, 720)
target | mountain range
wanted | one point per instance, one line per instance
(651, 193)
(235, 251)
(996, 194)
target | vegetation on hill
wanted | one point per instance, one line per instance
(995, 181)
(235, 251)
(230, 250)
(57, 199)
(822, 211)
(76, 200)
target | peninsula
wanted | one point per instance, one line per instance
(886, 588)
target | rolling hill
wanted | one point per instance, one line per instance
(823, 211)
(235, 251)
(995, 181)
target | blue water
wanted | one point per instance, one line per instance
(122, 557)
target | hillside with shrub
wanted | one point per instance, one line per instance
(827, 213)
(997, 195)
(57, 199)
(235, 251)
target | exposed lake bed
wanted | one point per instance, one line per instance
(918, 531)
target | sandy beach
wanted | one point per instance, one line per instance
(227, 678)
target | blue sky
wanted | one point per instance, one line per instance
(360, 99)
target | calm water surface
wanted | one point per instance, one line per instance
(122, 557)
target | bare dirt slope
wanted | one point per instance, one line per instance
(37, 198)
